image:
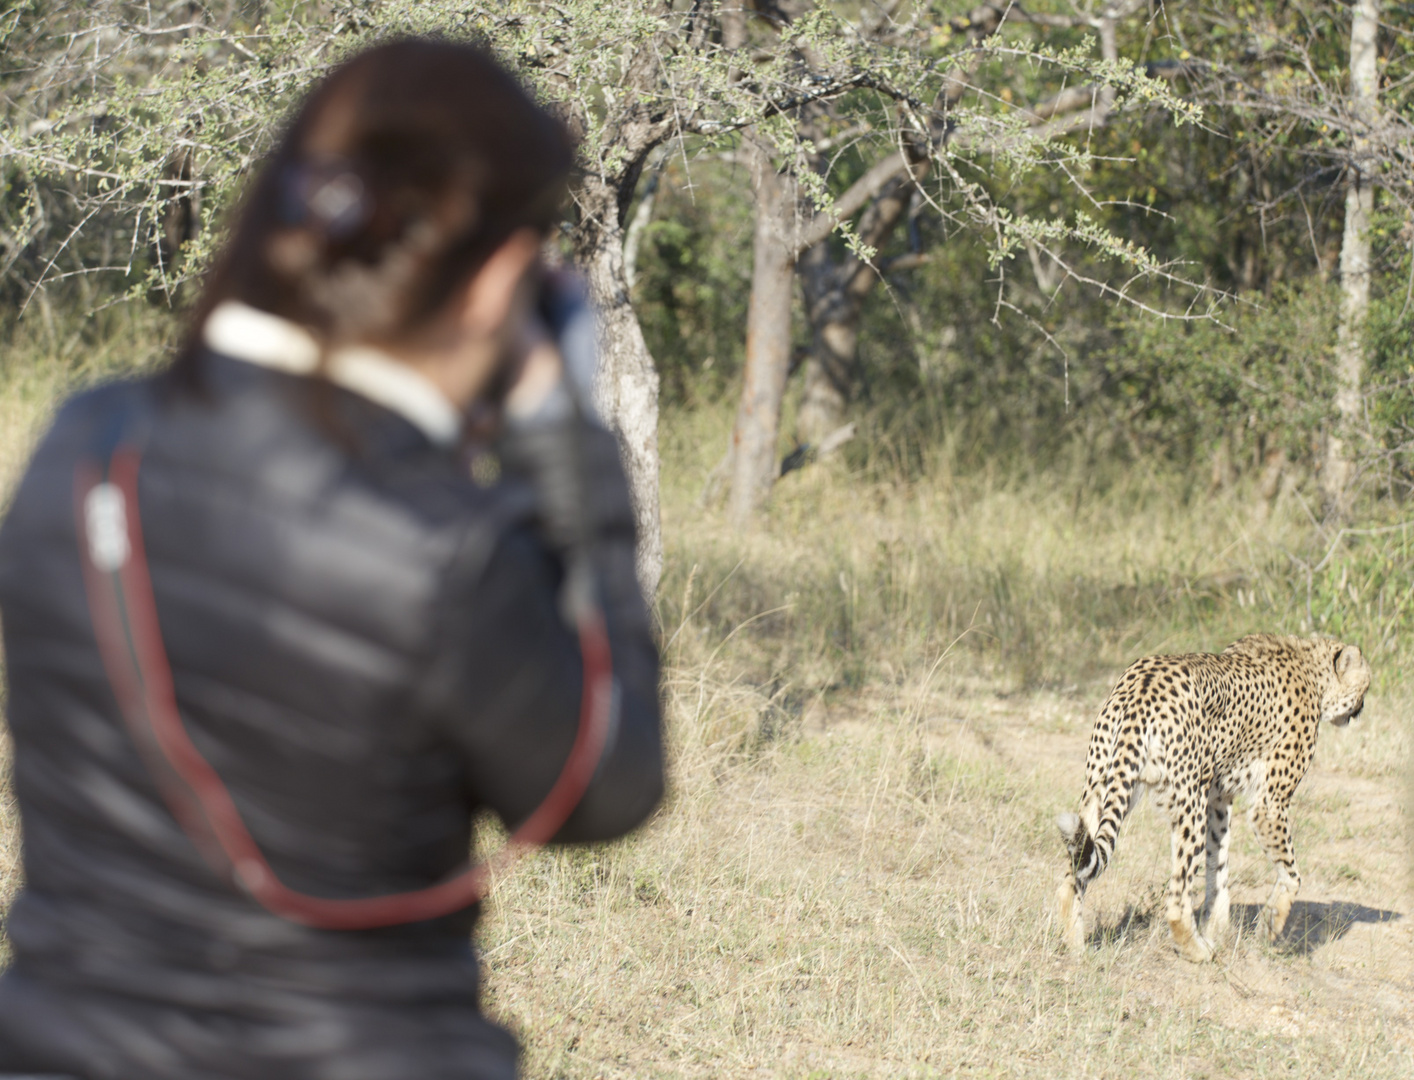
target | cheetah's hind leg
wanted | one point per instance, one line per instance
(1186, 840)
(1069, 897)
(1216, 915)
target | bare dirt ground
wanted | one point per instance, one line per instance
(868, 893)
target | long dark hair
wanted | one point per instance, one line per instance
(403, 170)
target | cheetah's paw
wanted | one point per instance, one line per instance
(1191, 945)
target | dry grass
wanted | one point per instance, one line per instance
(877, 703)
(869, 896)
(864, 570)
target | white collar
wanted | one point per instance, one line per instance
(241, 331)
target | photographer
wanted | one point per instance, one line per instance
(362, 646)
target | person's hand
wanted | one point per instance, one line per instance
(555, 356)
(531, 386)
(541, 371)
(551, 436)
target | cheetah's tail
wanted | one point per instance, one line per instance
(1070, 893)
(1090, 852)
(1086, 860)
(1111, 780)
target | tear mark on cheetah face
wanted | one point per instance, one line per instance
(1198, 730)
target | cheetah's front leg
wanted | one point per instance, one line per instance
(1186, 841)
(1272, 824)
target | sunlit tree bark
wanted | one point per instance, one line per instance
(1338, 472)
(768, 334)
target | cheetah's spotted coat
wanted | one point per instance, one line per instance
(1198, 730)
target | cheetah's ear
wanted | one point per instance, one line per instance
(1346, 659)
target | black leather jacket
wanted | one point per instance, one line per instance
(366, 646)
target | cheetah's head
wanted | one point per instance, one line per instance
(1347, 681)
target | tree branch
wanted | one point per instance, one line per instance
(855, 197)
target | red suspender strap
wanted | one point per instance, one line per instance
(130, 640)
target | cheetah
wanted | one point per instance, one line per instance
(1198, 730)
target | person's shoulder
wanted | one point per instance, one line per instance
(41, 505)
(83, 422)
(83, 414)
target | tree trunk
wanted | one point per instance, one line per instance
(642, 216)
(768, 345)
(834, 331)
(626, 391)
(834, 299)
(1337, 474)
